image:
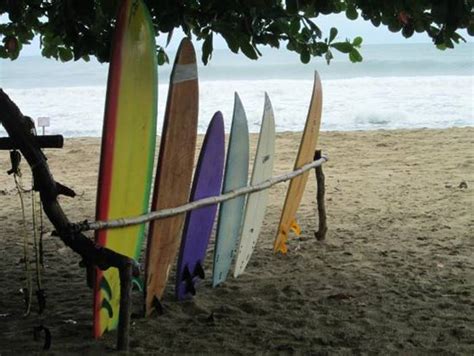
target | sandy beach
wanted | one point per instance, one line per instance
(395, 274)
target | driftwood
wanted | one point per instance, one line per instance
(320, 180)
(165, 213)
(19, 129)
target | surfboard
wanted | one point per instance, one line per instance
(127, 151)
(199, 222)
(231, 212)
(305, 155)
(257, 202)
(174, 171)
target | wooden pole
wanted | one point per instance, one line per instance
(123, 335)
(320, 180)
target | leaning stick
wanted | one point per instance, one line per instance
(321, 233)
(165, 213)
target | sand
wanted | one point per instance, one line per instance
(395, 274)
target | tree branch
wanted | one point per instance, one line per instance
(18, 128)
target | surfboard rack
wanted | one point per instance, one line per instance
(166, 213)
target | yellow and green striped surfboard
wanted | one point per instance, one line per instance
(128, 147)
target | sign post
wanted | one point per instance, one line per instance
(43, 122)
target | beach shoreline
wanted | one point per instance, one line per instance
(395, 274)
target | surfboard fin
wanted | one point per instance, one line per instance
(137, 284)
(156, 304)
(188, 279)
(199, 271)
(281, 247)
(295, 227)
(280, 243)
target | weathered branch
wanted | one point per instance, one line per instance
(18, 128)
(321, 233)
(165, 213)
(48, 141)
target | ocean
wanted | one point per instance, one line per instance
(401, 86)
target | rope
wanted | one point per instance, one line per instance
(165, 213)
(41, 231)
(35, 240)
(40, 296)
(29, 290)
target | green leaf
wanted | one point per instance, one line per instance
(162, 57)
(448, 42)
(470, 29)
(408, 31)
(355, 56)
(294, 26)
(316, 30)
(169, 37)
(65, 54)
(305, 56)
(232, 41)
(248, 50)
(207, 49)
(290, 46)
(332, 34)
(357, 41)
(457, 38)
(351, 12)
(292, 6)
(344, 47)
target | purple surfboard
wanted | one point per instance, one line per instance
(199, 222)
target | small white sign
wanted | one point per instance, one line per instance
(43, 121)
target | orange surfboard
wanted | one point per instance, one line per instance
(174, 171)
(305, 155)
(128, 148)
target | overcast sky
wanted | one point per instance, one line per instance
(347, 29)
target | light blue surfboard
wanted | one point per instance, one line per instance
(231, 211)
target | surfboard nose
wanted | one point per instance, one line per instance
(186, 53)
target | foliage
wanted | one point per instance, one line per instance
(77, 29)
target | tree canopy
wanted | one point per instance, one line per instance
(77, 29)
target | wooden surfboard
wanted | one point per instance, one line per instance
(127, 151)
(174, 171)
(257, 202)
(199, 222)
(231, 212)
(305, 155)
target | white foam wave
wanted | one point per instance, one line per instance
(349, 104)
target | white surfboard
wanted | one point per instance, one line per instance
(257, 202)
